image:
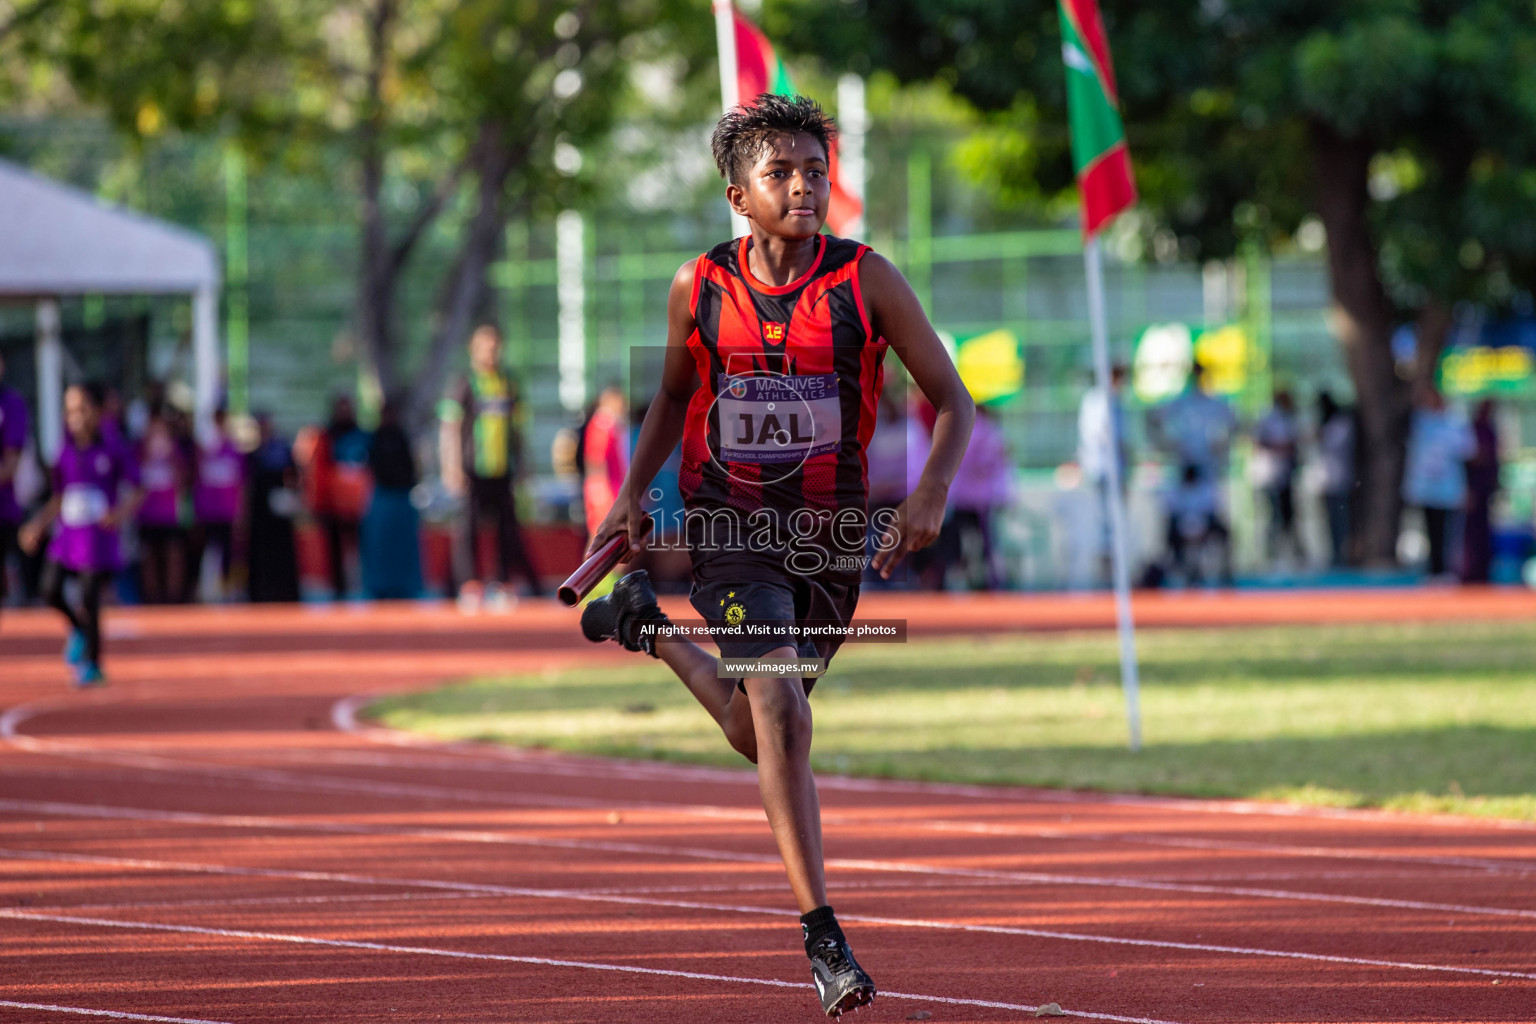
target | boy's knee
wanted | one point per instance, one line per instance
(782, 713)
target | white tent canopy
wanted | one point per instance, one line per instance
(57, 241)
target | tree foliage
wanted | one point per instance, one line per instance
(446, 116)
(1407, 126)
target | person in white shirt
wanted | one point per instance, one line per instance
(1440, 441)
(1336, 454)
(1101, 437)
(1273, 471)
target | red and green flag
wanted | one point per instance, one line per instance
(759, 70)
(1099, 154)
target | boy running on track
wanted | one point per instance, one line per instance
(89, 506)
(774, 350)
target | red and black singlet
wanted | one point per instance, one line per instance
(790, 383)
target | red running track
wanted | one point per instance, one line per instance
(213, 838)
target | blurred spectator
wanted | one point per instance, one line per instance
(1100, 437)
(605, 454)
(1435, 481)
(928, 564)
(1196, 430)
(886, 454)
(391, 529)
(666, 556)
(116, 425)
(165, 473)
(1193, 522)
(1336, 453)
(272, 502)
(1273, 472)
(216, 493)
(982, 485)
(886, 458)
(480, 450)
(1195, 427)
(336, 486)
(13, 441)
(1482, 485)
(134, 420)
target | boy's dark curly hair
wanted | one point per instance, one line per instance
(744, 131)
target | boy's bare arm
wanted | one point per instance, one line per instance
(664, 420)
(897, 316)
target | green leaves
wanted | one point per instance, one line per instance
(1369, 77)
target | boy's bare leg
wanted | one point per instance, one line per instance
(697, 669)
(771, 726)
(730, 708)
(782, 718)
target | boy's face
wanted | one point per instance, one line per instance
(485, 349)
(787, 190)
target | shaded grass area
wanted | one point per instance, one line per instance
(1438, 717)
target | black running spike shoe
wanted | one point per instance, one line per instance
(620, 614)
(840, 981)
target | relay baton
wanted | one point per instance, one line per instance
(601, 562)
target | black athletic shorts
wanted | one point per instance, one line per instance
(724, 596)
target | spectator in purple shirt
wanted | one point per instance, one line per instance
(13, 438)
(216, 499)
(983, 484)
(95, 490)
(165, 472)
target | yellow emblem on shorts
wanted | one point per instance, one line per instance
(735, 614)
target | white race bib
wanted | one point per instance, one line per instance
(83, 505)
(158, 476)
(779, 418)
(220, 472)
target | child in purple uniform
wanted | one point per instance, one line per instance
(13, 438)
(95, 489)
(219, 483)
(164, 473)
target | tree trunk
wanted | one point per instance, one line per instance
(1362, 320)
(377, 271)
(465, 290)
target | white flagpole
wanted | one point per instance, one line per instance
(725, 41)
(1129, 675)
(852, 124)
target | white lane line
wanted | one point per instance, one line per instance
(344, 717)
(1037, 878)
(285, 781)
(13, 717)
(379, 947)
(589, 896)
(1512, 866)
(287, 901)
(114, 1014)
(247, 777)
(267, 901)
(699, 853)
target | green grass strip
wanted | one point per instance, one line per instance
(1426, 718)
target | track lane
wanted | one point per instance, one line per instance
(1130, 907)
